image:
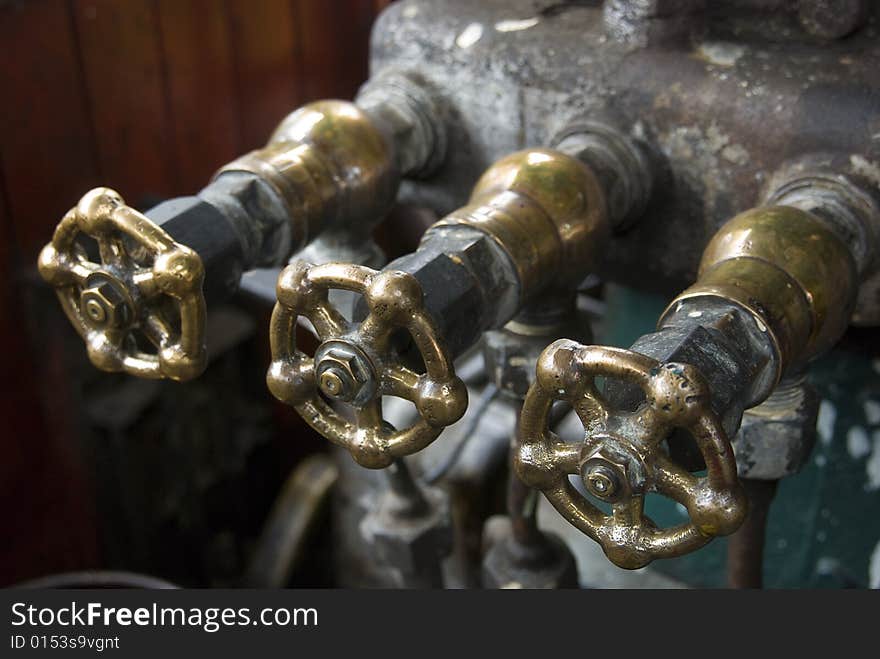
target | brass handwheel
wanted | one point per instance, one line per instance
(144, 281)
(355, 362)
(622, 457)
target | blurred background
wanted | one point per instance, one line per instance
(149, 97)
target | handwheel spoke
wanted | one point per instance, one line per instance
(370, 415)
(82, 270)
(113, 251)
(327, 320)
(629, 512)
(157, 331)
(375, 331)
(591, 410)
(673, 480)
(145, 281)
(566, 457)
(647, 428)
(402, 382)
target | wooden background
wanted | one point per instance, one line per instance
(148, 97)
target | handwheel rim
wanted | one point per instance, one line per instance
(676, 397)
(292, 377)
(176, 273)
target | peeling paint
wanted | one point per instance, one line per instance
(721, 53)
(736, 154)
(469, 36)
(866, 168)
(825, 422)
(516, 26)
(872, 412)
(857, 443)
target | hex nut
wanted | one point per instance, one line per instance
(509, 565)
(342, 373)
(103, 305)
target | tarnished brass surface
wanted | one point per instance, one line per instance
(331, 165)
(622, 459)
(141, 269)
(356, 362)
(547, 210)
(787, 269)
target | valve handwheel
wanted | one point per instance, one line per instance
(145, 282)
(622, 457)
(356, 363)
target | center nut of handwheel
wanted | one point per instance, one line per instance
(344, 373)
(611, 471)
(105, 302)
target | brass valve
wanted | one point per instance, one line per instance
(622, 459)
(776, 287)
(354, 363)
(328, 169)
(145, 281)
(788, 270)
(535, 218)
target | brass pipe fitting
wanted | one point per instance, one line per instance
(331, 165)
(546, 210)
(789, 271)
(536, 218)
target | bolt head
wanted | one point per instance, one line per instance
(611, 471)
(344, 373)
(333, 383)
(604, 480)
(105, 304)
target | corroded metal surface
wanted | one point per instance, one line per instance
(777, 437)
(739, 91)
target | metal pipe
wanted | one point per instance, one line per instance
(745, 548)
(522, 507)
